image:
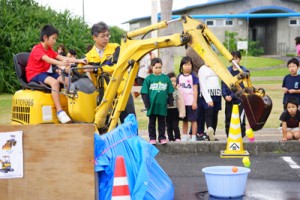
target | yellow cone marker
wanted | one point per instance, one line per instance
(234, 147)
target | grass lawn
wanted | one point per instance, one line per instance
(5, 108)
(258, 66)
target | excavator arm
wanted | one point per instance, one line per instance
(195, 34)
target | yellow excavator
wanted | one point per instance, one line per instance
(9, 143)
(33, 104)
(6, 165)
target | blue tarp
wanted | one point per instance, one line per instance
(146, 178)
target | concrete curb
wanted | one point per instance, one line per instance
(253, 148)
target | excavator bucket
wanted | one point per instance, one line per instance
(257, 109)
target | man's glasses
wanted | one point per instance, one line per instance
(104, 36)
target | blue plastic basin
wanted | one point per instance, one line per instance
(222, 182)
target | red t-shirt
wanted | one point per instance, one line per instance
(36, 64)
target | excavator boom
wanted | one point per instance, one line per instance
(197, 35)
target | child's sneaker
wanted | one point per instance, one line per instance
(193, 139)
(178, 140)
(201, 137)
(153, 142)
(163, 141)
(210, 132)
(63, 117)
(184, 138)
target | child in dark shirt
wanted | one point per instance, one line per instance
(290, 119)
(231, 99)
(291, 82)
(175, 112)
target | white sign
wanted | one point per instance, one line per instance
(11, 155)
(47, 113)
(242, 45)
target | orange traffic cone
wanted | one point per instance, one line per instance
(234, 147)
(120, 187)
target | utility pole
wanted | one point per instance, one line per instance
(83, 10)
(167, 54)
(154, 34)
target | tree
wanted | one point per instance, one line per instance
(167, 54)
(21, 21)
(116, 34)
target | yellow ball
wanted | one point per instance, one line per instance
(246, 159)
(249, 133)
(248, 165)
(246, 162)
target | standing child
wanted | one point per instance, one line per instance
(39, 62)
(297, 43)
(211, 98)
(156, 90)
(61, 50)
(188, 86)
(231, 99)
(291, 82)
(290, 119)
(197, 63)
(175, 112)
(143, 71)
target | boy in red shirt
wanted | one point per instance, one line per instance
(39, 62)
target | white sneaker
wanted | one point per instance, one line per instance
(63, 117)
(184, 138)
(210, 133)
(193, 139)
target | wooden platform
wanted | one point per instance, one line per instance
(57, 163)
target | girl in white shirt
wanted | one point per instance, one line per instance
(210, 92)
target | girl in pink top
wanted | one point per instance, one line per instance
(188, 86)
(297, 40)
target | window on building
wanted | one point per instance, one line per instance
(229, 22)
(294, 22)
(219, 22)
(134, 26)
(210, 22)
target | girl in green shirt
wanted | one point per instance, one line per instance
(157, 92)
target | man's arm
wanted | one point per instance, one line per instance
(71, 60)
(109, 65)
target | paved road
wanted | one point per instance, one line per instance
(271, 177)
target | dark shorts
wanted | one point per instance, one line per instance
(40, 78)
(191, 115)
(217, 103)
